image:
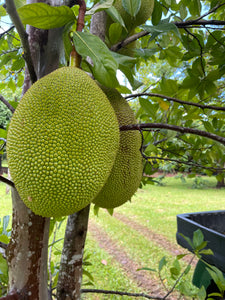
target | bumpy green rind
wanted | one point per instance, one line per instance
(62, 143)
(126, 173)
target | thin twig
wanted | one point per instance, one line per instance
(11, 9)
(179, 278)
(10, 107)
(201, 49)
(7, 181)
(6, 31)
(108, 292)
(202, 106)
(3, 245)
(185, 163)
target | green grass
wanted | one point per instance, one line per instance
(107, 273)
(155, 207)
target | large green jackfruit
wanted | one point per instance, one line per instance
(62, 143)
(126, 173)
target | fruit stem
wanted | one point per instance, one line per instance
(75, 58)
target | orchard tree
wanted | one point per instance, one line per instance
(182, 104)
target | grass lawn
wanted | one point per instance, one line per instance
(156, 208)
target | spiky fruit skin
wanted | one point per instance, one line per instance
(142, 16)
(126, 173)
(62, 143)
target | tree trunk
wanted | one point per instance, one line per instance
(70, 273)
(27, 252)
(220, 183)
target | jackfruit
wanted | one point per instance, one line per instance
(126, 173)
(142, 16)
(62, 143)
(130, 22)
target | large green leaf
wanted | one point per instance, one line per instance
(157, 13)
(104, 65)
(105, 5)
(131, 6)
(44, 16)
(115, 16)
(162, 27)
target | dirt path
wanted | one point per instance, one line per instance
(158, 239)
(149, 285)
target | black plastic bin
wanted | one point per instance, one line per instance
(212, 225)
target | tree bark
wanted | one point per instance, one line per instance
(27, 252)
(220, 184)
(70, 273)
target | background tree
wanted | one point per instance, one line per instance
(180, 107)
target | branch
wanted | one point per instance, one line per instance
(82, 11)
(7, 31)
(206, 134)
(128, 40)
(75, 57)
(3, 245)
(10, 107)
(184, 24)
(96, 291)
(11, 9)
(199, 23)
(176, 100)
(184, 162)
(7, 181)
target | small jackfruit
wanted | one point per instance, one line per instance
(62, 143)
(130, 22)
(126, 173)
(142, 16)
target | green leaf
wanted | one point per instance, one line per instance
(208, 126)
(206, 252)
(132, 7)
(187, 239)
(96, 210)
(147, 269)
(157, 13)
(4, 239)
(147, 106)
(198, 238)
(161, 27)
(183, 11)
(102, 6)
(115, 16)
(3, 269)
(2, 11)
(115, 31)
(195, 7)
(44, 16)
(104, 65)
(151, 148)
(110, 211)
(88, 274)
(162, 263)
(18, 64)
